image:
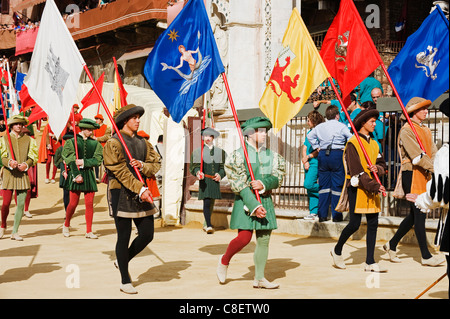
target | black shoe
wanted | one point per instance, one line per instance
(322, 219)
(337, 219)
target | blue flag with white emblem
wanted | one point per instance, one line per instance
(421, 67)
(184, 62)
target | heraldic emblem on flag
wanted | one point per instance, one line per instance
(185, 61)
(421, 68)
(297, 72)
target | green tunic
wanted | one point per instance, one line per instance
(269, 168)
(213, 162)
(91, 152)
(25, 151)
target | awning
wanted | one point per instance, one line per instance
(26, 4)
(115, 15)
(25, 41)
(135, 54)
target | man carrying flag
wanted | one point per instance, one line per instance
(298, 71)
(184, 62)
(421, 67)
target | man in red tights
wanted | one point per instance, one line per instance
(82, 161)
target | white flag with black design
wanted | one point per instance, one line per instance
(55, 68)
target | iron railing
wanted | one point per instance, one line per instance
(288, 143)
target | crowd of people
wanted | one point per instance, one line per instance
(342, 169)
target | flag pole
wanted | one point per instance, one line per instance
(108, 113)
(241, 137)
(75, 142)
(7, 129)
(402, 106)
(201, 137)
(354, 130)
(372, 45)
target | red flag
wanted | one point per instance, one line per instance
(36, 114)
(122, 92)
(25, 99)
(348, 50)
(92, 97)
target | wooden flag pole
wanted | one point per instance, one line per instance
(108, 113)
(431, 286)
(241, 137)
(74, 134)
(402, 106)
(354, 130)
(201, 139)
(7, 128)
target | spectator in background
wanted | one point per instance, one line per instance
(310, 163)
(329, 139)
(364, 89)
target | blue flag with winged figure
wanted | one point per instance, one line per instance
(184, 62)
(421, 67)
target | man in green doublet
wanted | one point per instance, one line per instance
(211, 174)
(248, 213)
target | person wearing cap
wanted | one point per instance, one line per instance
(213, 172)
(102, 134)
(362, 189)
(129, 199)
(15, 173)
(81, 176)
(437, 195)
(416, 170)
(47, 148)
(329, 139)
(248, 213)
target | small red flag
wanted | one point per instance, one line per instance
(348, 50)
(25, 99)
(92, 96)
(36, 114)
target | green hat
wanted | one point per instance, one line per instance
(208, 131)
(252, 124)
(17, 119)
(125, 112)
(88, 123)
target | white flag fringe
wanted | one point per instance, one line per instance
(55, 69)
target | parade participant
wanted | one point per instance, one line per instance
(437, 195)
(415, 173)
(151, 180)
(49, 144)
(102, 134)
(361, 189)
(213, 166)
(309, 160)
(248, 213)
(64, 170)
(15, 173)
(329, 138)
(81, 177)
(129, 199)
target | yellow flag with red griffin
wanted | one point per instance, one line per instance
(298, 71)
